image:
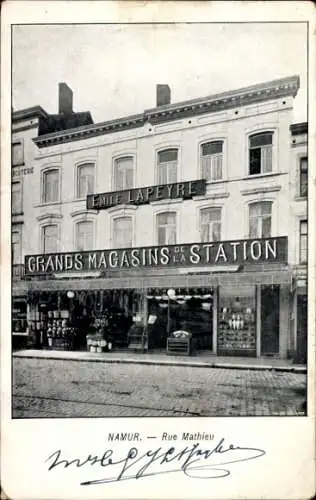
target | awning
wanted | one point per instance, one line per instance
(280, 277)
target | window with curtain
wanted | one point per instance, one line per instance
(50, 186)
(260, 153)
(17, 153)
(84, 236)
(167, 167)
(167, 228)
(122, 232)
(303, 177)
(16, 246)
(16, 198)
(85, 180)
(50, 238)
(303, 242)
(123, 173)
(212, 160)
(260, 219)
(210, 224)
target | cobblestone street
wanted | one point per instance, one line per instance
(61, 388)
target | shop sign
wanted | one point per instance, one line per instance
(18, 171)
(186, 255)
(144, 195)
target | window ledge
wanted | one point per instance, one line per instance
(22, 164)
(300, 198)
(15, 214)
(48, 204)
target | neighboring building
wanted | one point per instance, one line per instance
(191, 196)
(299, 227)
(27, 124)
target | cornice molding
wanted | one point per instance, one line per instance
(261, 190)
(49, 216)
(255, 93)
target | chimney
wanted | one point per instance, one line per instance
(64, 99)
(163, 94)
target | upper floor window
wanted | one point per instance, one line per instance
(167, 228)
(303, 177)
(167, 166)
(210, 224)
(260, 219)
(303, 242)
(84, 236)
(260, 153)
(212, 160)
(123, 173)
(17, 153)
(16, 246)
(16, 198)
(122, 232)
(85, 180)
(50, 186)
(50, 238)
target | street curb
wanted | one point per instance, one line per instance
(192, 364)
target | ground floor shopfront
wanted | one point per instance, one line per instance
(253, 313)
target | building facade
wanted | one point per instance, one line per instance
(191, 198)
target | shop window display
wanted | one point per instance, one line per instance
(237, 321)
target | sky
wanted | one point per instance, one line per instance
(113, 69)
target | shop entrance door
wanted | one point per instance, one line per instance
(270, 314)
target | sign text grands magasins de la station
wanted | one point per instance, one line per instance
(186, 255)
(148, 194)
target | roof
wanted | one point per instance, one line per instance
(231, 99)
(299, 128)
(33, 112)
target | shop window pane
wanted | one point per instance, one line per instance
(237, 320)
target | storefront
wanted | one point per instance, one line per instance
(234, 298)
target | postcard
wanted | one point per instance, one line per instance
(158, 250)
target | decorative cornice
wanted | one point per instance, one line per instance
(211, 196)
(121, 208)
(83, 212)
(49, 216)
(261, 190)
(209, 104)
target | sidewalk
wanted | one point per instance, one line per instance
(202, 359)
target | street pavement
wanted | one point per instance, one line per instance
(47, 388)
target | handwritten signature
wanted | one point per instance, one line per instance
(193, 461)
